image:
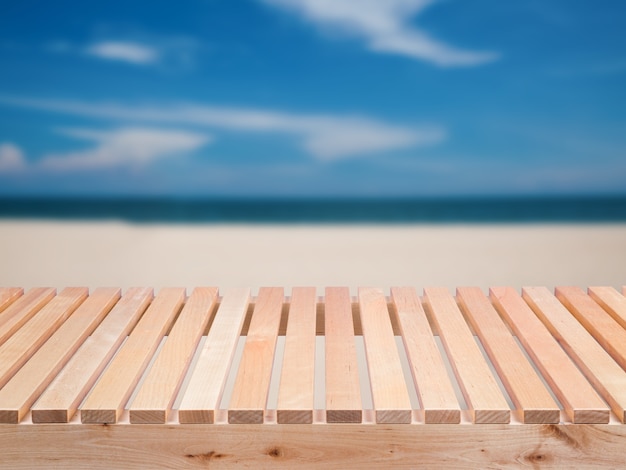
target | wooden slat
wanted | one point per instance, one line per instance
(249, 398)
(305, 447)
(297, 381)
(611, 301)
(28, 383)
(532, 401)
(343, 392)
(580, 401)
(481, 392)
(28, 339)
(432, 383)
(109, 396)
(158, 391)
(599, 368)
(209, 376)
(389, 390)
(8, 295)
(60, 400)
(596, 321)
(23, 310)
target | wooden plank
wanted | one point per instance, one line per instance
(432, 383)
(22, 310)
(249, 398)
(313, 447)
(343, 390)
(297, 381)
(611, 301)
(8, 295)
(580, 401)
(27, 384)
(158, 391)
(206, 385)
(531, 398)
(596, 321)
(601, 370)
(60, 400)
(389, 390)
(481, 392)
(28, 339)
(109, 396)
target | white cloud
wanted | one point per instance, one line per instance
(384, 24)
(125, 51)
(11, 158)
(323, 136)
(331, 138)
(129, 146)
(166, 52)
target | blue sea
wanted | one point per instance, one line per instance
(324, 211)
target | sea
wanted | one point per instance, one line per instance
(605, 209)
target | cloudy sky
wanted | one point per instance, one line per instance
(313, 97)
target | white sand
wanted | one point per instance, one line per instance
(58, 254)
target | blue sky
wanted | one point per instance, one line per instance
(313, 97)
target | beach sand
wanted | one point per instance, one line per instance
(59, 254)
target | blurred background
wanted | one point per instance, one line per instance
(313, 97)
(402, 112)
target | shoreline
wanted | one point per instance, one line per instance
(321, 210)
(93, 254)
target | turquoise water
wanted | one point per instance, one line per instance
(395, 211)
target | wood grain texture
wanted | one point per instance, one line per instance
(602, 326)
(611, 301)
(27, 384)
(297, 380)
(531, 398)
(600, 369)
(109, 396)
(59, 402)
(343, 392)
(481, 392)
(432, 383)
(23, 310)
(249, 398)
(28, 339)
(553, 337)
(8, 295)
(154, 401)
(204, 392)
(578, 398)
(389, 390)
(291, 446)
